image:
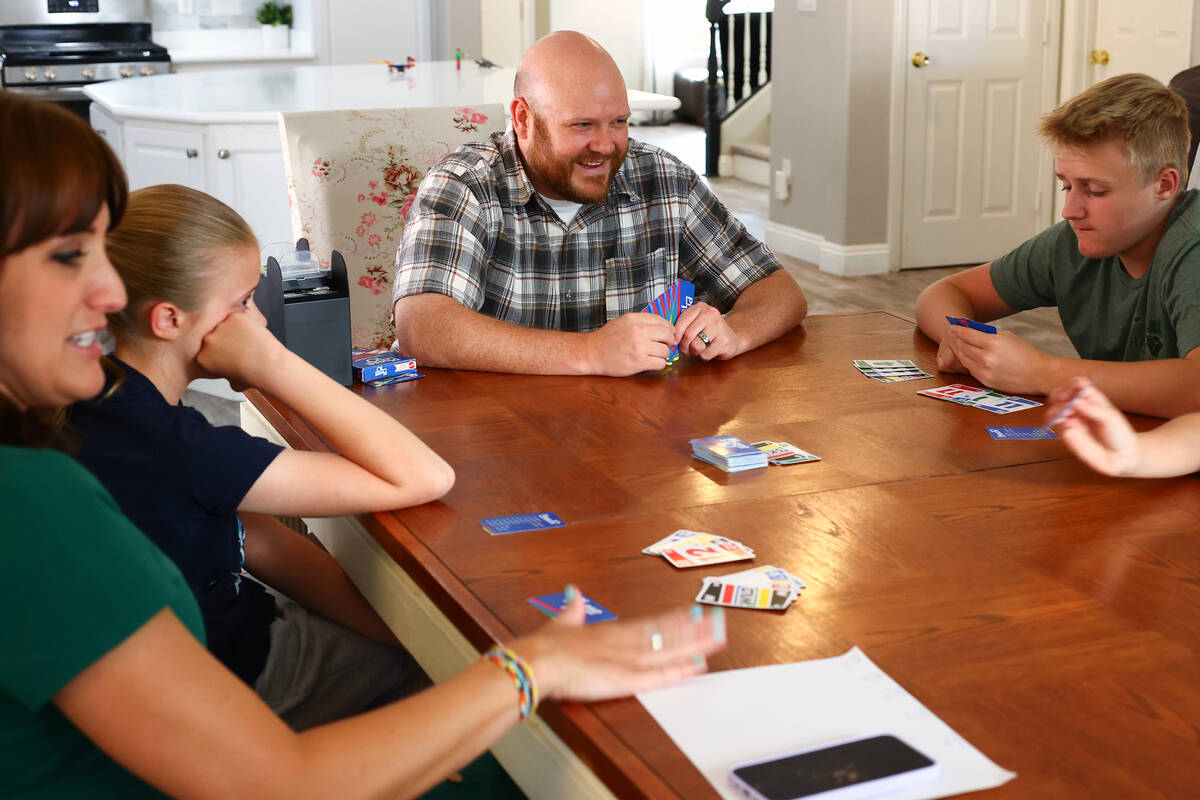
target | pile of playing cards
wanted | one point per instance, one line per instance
(782, 453)
(685, 548)
(890, 370)
(676, 298)
(767, 587)
(728, 452)
(996, 402)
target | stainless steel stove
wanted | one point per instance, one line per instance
(53, 48)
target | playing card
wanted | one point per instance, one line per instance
(1021, 433)
(766, 587)
(676, 298)
(695, 555)
(970, 323)
(996, 402)
(782, 453)
(519, 523)
(729, 594)
(890, 370)
(766, 576)
(999, 403)
(682, 535)
(552, 605)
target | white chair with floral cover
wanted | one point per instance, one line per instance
(351, 178)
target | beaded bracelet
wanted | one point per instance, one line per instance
(521, 673)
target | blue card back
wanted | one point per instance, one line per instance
(552, 604)
(970, 323)
(1005, 432)
(519, 523)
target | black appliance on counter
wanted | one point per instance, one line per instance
(57, 48)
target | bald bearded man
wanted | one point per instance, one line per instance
(536, 250)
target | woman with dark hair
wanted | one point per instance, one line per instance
(106, 688)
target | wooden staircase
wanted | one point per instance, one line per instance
(739, 65)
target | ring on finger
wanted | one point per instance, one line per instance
(656, 639)
(702, 336)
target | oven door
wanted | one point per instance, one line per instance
(70, 97)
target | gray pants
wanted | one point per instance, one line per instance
(318, 671)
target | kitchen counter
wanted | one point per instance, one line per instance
(255, 96)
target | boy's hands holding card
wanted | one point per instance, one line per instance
(1002, 360)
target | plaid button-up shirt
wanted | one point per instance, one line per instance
(479, 233)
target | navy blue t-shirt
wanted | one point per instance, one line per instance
(180, 480)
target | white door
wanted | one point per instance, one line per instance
(972, 162)
(503, 31)
(1150, 36)
(247, 174)
(164, 155)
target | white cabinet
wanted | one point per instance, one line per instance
(164, 154)
(246, 171)
(109, 128)
(240, 165)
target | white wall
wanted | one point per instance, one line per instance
(618, 25)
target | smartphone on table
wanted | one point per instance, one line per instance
(846, 770)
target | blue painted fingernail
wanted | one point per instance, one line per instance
(569, 592)
(718, 623)
(700, 663)
(697, 612)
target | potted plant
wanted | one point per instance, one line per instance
(276, 21)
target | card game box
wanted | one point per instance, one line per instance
(373, 365)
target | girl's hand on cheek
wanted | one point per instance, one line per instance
(238, 349)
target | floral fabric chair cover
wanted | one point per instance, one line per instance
(351, 178)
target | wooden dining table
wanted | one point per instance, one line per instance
(1050, 615)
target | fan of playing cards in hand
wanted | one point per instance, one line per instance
(676, 298)
(766, 587)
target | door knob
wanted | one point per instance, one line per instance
(192, 152)
(1098, 57)
(919, 60)
(222, 153)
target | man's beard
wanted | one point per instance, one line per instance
(554, 172)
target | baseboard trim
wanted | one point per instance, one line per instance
(847, 260)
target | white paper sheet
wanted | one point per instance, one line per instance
(725, 718)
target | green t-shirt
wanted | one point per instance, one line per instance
(79, 578)
(1108, 315)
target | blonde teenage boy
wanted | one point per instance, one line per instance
(1123, 268)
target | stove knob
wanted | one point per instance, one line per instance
(51, 74)
(31, 74)
(89, 72)
(147, 70)
(126, 72)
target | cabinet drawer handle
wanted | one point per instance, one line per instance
(192, 152)
(222, 153)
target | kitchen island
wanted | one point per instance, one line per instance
(218, 131)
